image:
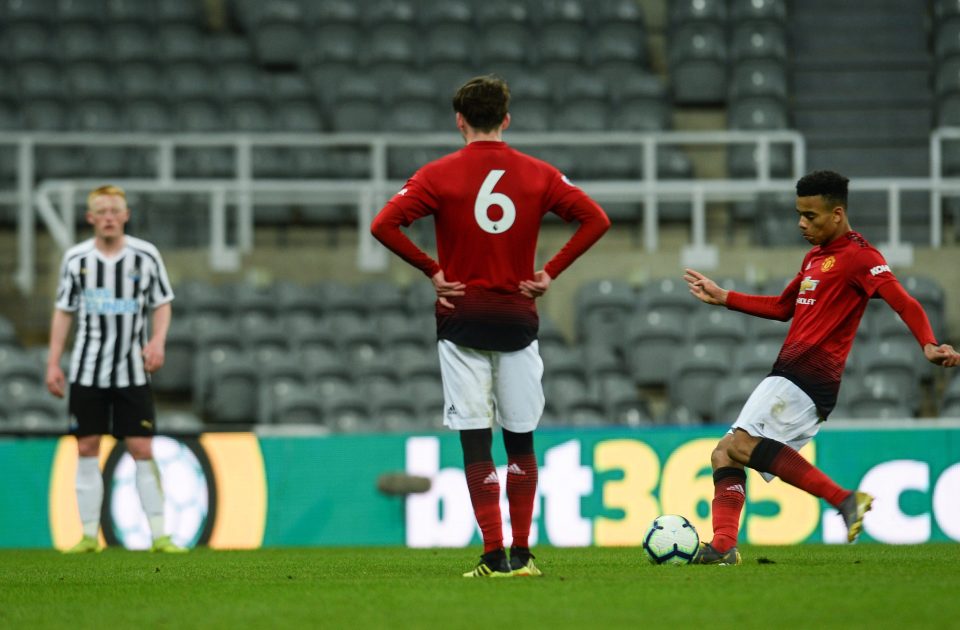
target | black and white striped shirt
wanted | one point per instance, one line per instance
(112, 297)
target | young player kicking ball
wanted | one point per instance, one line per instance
(826, 300)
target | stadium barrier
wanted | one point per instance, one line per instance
(598, 487)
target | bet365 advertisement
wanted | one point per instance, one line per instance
(603, 487)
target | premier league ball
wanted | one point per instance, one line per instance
(671, 539)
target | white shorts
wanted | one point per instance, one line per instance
(779, 410)
(483, 386)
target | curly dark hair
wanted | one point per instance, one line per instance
(832, 186)
(483, 102)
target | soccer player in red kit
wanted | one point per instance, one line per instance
(826, 300)
(487, 201)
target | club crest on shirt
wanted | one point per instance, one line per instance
(828, 263)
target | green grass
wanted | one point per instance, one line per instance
(794, 587)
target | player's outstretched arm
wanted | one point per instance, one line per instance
(943, 355)
(705, 289)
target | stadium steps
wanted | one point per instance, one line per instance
(861, 85)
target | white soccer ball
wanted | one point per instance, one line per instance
(671, 539)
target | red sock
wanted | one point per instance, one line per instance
(790, 466)
(729, 493)
(484, 486)
(522, 475)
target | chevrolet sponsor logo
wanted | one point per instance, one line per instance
(808, 284)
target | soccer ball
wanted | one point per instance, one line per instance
(671, 539)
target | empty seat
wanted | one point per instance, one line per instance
(233, 390)
(504, 43)
(80, 42)
(449, 43)
(759, 77)
(296, 406)
(502, 12)
(731, 395)
(682, 11)
(226, 47)
(719, 327)
(141, 79)
(89, 11)
(561, 42)
(151, 115)
(755, 360)
(697, 55)
(653, 341)
(136, 11)
(94, 115)
(758, 112)
(950, 402)
(752, 40)
(773, 10)
(240, 80)
(40, 79)
(391, 43)
(278, 34)
(668, 296)
(180, 42)
(615, 299)
(132, 42)
(90, 79)
(28, 42)
(346, 410)
(619, 42)
(695, 375)
(563, 362)
(333, 11)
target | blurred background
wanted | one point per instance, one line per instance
(257, 139)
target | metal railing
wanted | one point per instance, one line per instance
(54, 201)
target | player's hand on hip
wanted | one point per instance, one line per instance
(56, 383)
(705, 289)
(943, 355)
(536, 287)
(153, 356)
(446, 288)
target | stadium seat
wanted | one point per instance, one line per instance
(132, 42)
(333, 12)
(80, 42)
(756, 359)
(233, 389)
(228, 48)
(504, 43)
(694, 377)
(601, 308)
(416, 364)
(758, 77)
(437, 14)
(28, 42)
(391, 43)
(383, 297)
(177, 372)
(766, 10)
(894, 361)
(297, 406)
(950, 401)
(179, 11)
(623, 402)
(90, 79)
(731, 394)
(448, 43)
(743, 161)
(38, 413)
(390, 12)
(758, 40)
(564, 41)
(876, 399)
(566, 390)
(199, 297)
(758, 112)
(180, 42)
(139, 79)
(278, 35)
(718, 327)
(680, 12)
(563, 362)
(20, 377)
(930, 294)
(600, 360)
(392, 407)
(668, 296)
(241, 80)
(697, 54)
(84, 11)
(346, 410)
(653, 340)
(40, 79)
(531, 115)
(503, 12)
(619, 43)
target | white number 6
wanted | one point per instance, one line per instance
(486, 198)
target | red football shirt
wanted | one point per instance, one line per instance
(488, 201)
(828, 297)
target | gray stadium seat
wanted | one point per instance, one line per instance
(240, 80)
(28, 42)
(601, 308)
(179, 11)
(382, 297)
(391, 43)
(697, 54)
(504, 43)
(38, 413)
(278, 34)
(668, 296)
(149, 115)
(731, 394)
(180, 42)
(719, 328)
(40, 79)
(562, 12)
(619, 42)
(177, 372)
(764, 40)
(653, 341)
(756, 359)
(773, 10)
(90, 79)
(233, 390)
(758, 112)
(564, 41)
(950, 401)
(449, 43)
(141, 79)
(893, 360)
(20, 377)
(80, 42)
(297, 406)
(878, 398)
(694, 377)
(624, 404)
(346, 410)
(759, 77)
(227, 47)
(132, 42)
(502, 12)
(680, 12)
(531, 116)
(617, 12)
(88, 11)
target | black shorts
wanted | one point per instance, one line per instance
(118, 411)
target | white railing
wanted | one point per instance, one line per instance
(54, 201)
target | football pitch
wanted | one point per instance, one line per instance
(866, 585)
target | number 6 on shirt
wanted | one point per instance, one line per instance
(486, 198)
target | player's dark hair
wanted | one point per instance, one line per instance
(830, 185)
(483, 102)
